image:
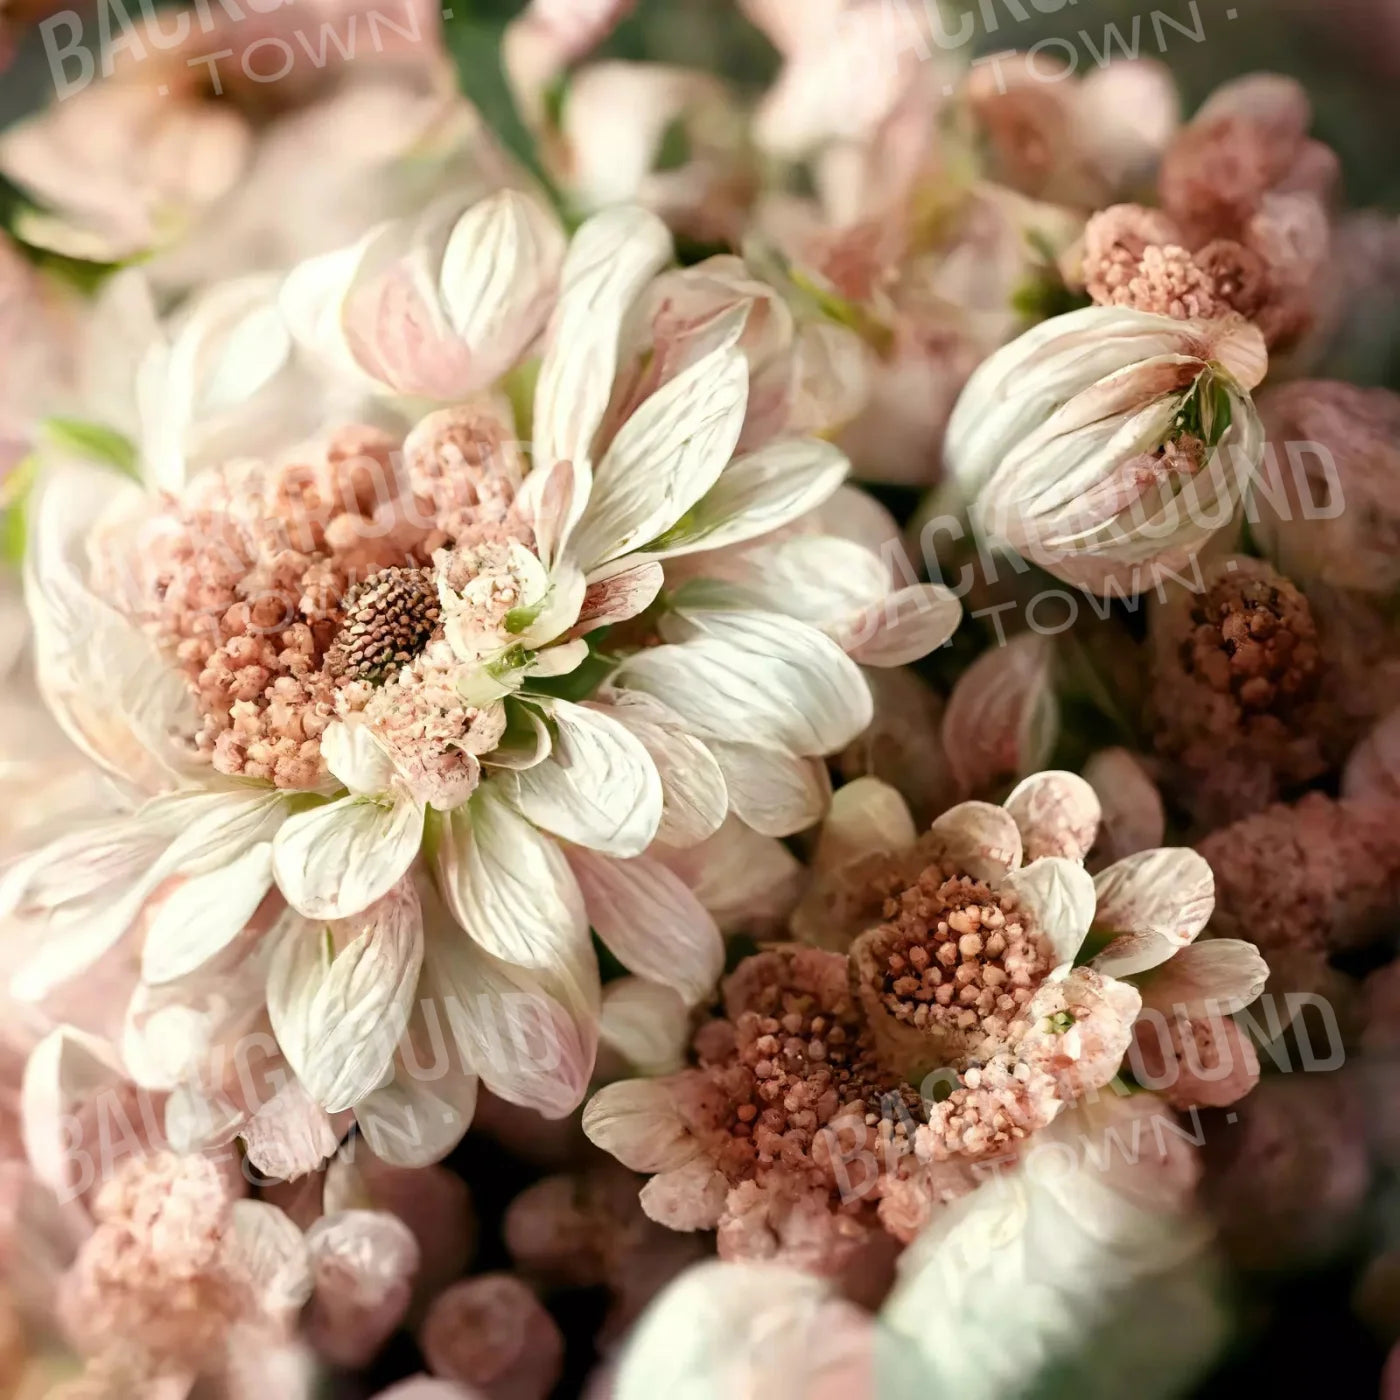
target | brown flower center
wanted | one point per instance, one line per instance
(390, 618)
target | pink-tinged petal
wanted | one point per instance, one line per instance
(645, 1024)
(1373, 770)
(902, 627)
(774, 792)
(1214, 975)
(1060, 895)
(639, 1122)
(867, 817)
(290, 1135)
(1133, 816)
(651, 921)
(1058, 814)
(493, 1334)
(530, 1034)
(271, 1253)
(363, 1263)
(978, 839)
(1169, 892)
(745, 880)
(617, 592)
(1002, 717)
(689, 1197)
(340, 996)
(1206, 1062)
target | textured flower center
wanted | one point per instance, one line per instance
(954, 954)
(389, 619)
(1255, 640)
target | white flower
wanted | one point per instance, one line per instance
(394, 826)
(1109, 445)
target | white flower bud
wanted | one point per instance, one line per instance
(1109, 445)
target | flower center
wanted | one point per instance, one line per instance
(390, 618)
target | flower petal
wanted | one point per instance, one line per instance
(690, 1197)
(273, 1253)
(1213, 977)
(902, 627)
(978, 839)
(414, 1122)
(646, 1023)
(339, 997)
(598, 787)
(1169, 892)
(357, 758)
(771, 791)
(290, 1135)
(1058, 814)
(1060, 893)
(866, 817)
(774, 681)
(1133, 816)
(638, 1122)
(756, 495)
(509, 886)
(651, 921)
(617, 592)
(745, 880)
(337, 859)
(202, 915)
(665, 457)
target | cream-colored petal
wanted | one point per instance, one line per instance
(978, 839)
(637, 1121)
(1058, 814)
(772, 791)
(1215, 976)
(867, 817)
(1060, 895)
(1169, 892)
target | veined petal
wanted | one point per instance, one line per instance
(651, 921)
(611, 258)
(1058, 814)
(637, 1121)
(339, 996)
(646, 1023)
(745, 880)
(979, 839)
(619, 591)
(772, 791)
(357, 758)
(902, 627)
(509, 886)
(1060, 895)
(202, 915)
(312, 297)
(498, 275)
(531, 1037)
(414, 1121)
(665, 457)
(1214, 977)
(338, 858)
(1169, 892)
(774, 681)
(694, 799)
(598, 787)
(273, 1252)
(756, 495)
(290, 1135)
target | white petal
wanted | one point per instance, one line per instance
(598, 787)
(273, 1252)
(766, 678)
(1213, 977)
(902, 627)
(979, 839)
(312, 297)
(530, 1037)
(339, 858)
(758, 494)
(1058, 814)
(339, 997)
(1168, 892)
(67, 1069)
(745, 880)
(509, 886)
(866, 816)
(646, 1023)
(414, 1121)
(619, 591)
(665, 457)
(1060, 894)
(610, 260)
(498, 273)
(357, 758)
(526, 741)
(651, 921)
(201, 916)
(637, 1121)
(771, 791)
(290, 1135)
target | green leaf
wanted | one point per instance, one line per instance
(14, 523)
(474, 35)
(93, 440)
